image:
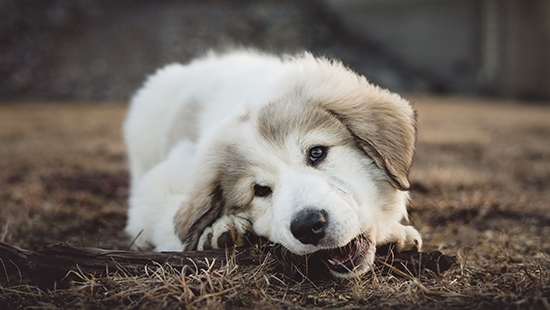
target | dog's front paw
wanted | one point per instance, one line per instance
(227, 231)
(410, 239)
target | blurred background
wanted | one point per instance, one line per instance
(101, 50)
(472, 69)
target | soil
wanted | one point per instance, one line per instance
(480, 191)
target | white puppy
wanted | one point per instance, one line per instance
(299, 150)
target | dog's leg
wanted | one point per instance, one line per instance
(408, 238)
(227, 231)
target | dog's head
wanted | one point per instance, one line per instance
(318, 170)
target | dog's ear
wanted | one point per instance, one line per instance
(384, 126)
(207, 204)
(219, 186)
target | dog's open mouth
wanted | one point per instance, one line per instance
(355, 257)
(348, 258)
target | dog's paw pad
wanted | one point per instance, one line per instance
(225, 240)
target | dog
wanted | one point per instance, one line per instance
(299, 150)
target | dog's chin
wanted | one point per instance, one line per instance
(355, 258)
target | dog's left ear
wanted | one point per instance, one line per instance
(384, 126)
(207, 204)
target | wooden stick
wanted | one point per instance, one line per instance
(50, 266)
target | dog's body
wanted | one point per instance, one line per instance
(301, 151)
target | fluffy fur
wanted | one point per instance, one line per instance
(299, 150)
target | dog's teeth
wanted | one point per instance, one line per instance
(338, 262)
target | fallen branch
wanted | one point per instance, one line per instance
(50, 267)
(53, 264)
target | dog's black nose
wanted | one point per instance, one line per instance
(309, 225)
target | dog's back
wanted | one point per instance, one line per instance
(185, 101)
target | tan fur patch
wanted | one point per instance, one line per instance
(383, 123)
(278, 120)
(222, 194)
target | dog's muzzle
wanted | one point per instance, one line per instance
(309, 227)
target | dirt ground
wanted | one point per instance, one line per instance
(480, 191)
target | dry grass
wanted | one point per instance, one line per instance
(480, 191)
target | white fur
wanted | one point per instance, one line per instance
(156, 197)
(159, 183)
(164, 164)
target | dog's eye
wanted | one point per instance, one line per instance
(262, 191)
(316, 154)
